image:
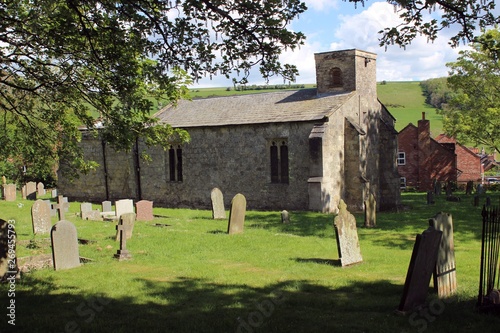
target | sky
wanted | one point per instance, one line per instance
(331, 25)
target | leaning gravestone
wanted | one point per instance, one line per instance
(347, 236)
(9, 192)
(144, 210)
(40, 216)
(127, 221)
(8, 260)
(237, 214)
(31, 190)
(65, 253)
(218, 210)
(40, 189)
(445, 274)
(124, 206)
(422, 264)
(370, 212)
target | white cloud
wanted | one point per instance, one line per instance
(321, 4)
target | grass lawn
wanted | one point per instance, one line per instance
(193, 277)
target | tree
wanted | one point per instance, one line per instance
(473, 114)
(468, 16)
(68, 63)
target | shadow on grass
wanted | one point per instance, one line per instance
(330, 262)
(199, 305)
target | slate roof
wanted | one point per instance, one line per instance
(275, 107)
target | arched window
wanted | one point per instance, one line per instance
(175, 163)
(336, 77)
(279, 161)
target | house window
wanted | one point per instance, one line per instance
(401, 158)
(175, 163)
(402, 183)
(279, 161)
(336, 77)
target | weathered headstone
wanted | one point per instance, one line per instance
(237, 214)
(62, 206)
(65, 252)
(144, 210)
(124, 206)
(430, 198)
(23, 191)
(87, 213)
(8, 260)
(422, 264)
(9, 192)
(40, 216)
(40, 189)
(53, 211)
(347, 236)
(84, 208)
(445, 275)
(285, 217)
(469, 188)
(370, 212)
(31, 190)
(127, 220)
(107, 208)
(438, 188)
(218, 210)
(53, 193)
(122, 253)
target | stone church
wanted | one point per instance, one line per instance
(294, 150)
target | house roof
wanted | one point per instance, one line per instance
(288, 106)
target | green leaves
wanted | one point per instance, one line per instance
(64, 64)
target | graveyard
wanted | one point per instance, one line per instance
(184, 271)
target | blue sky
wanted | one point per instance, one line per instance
(337, 25)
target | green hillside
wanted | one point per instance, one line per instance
(406, 103)
(403, 99)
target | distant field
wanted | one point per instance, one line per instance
(403, 99)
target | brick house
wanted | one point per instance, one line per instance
(294, 150)
(468, 162)
(421, 159)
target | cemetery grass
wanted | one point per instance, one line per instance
(190, 276)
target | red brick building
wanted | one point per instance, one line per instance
(421, 159)
(468, 162)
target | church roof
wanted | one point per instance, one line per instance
(275, 107)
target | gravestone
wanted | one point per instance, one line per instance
(40, 216)
(449, 189)
(237, 214)
(84, 208)
(422, 264)
(8, 259)
(107, 209)
(122, 253)
(64, 238)
(347, 236)
(124, 206)
(53, 193)
(430, 198)
(9, 192)
(144, 210)
(469, 188)
(438, 188)
(40, 189)
(218, 210)
(62, 206)
(285, 217)
(445, 274)
(476, 200)
(31, 190)
(127, 220)
(53, 211)
(370, 212)
(23, 191)
(480, 189)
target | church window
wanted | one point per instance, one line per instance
(336, 77)
(279, 161)
(175, 163)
